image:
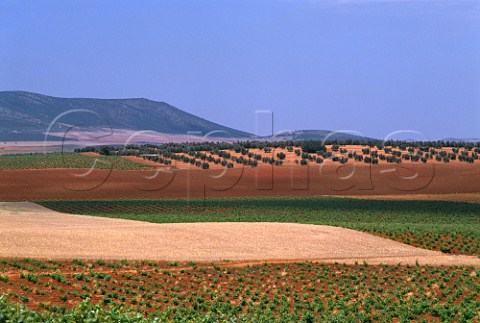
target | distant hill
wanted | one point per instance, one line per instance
(27, 116)
(317, 135)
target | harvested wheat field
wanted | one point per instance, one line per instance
(29, 230)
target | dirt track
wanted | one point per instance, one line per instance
(29, 230)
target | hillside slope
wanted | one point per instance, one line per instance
(26, 116)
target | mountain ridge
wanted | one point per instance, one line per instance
(27, 116)
(32, 113)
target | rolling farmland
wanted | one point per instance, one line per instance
(147, 184)
(240, 161)
(452, 227)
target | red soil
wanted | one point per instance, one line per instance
(265, 180)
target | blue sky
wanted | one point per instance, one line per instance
(373, 66)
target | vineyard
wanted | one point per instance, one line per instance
(266, 292)
(79, 290)
(67, 160)
(451, 227)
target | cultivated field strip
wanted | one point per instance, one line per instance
(282, 292)
(67, 160)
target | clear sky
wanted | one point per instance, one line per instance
(373, 66)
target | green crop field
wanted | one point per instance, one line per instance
(77, 291)
(438, 225)
(67, 160)
(99, 291)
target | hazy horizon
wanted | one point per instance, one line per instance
(373, 66)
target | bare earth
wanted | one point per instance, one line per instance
(29, 230)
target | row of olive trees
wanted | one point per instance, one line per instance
(400, 150)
